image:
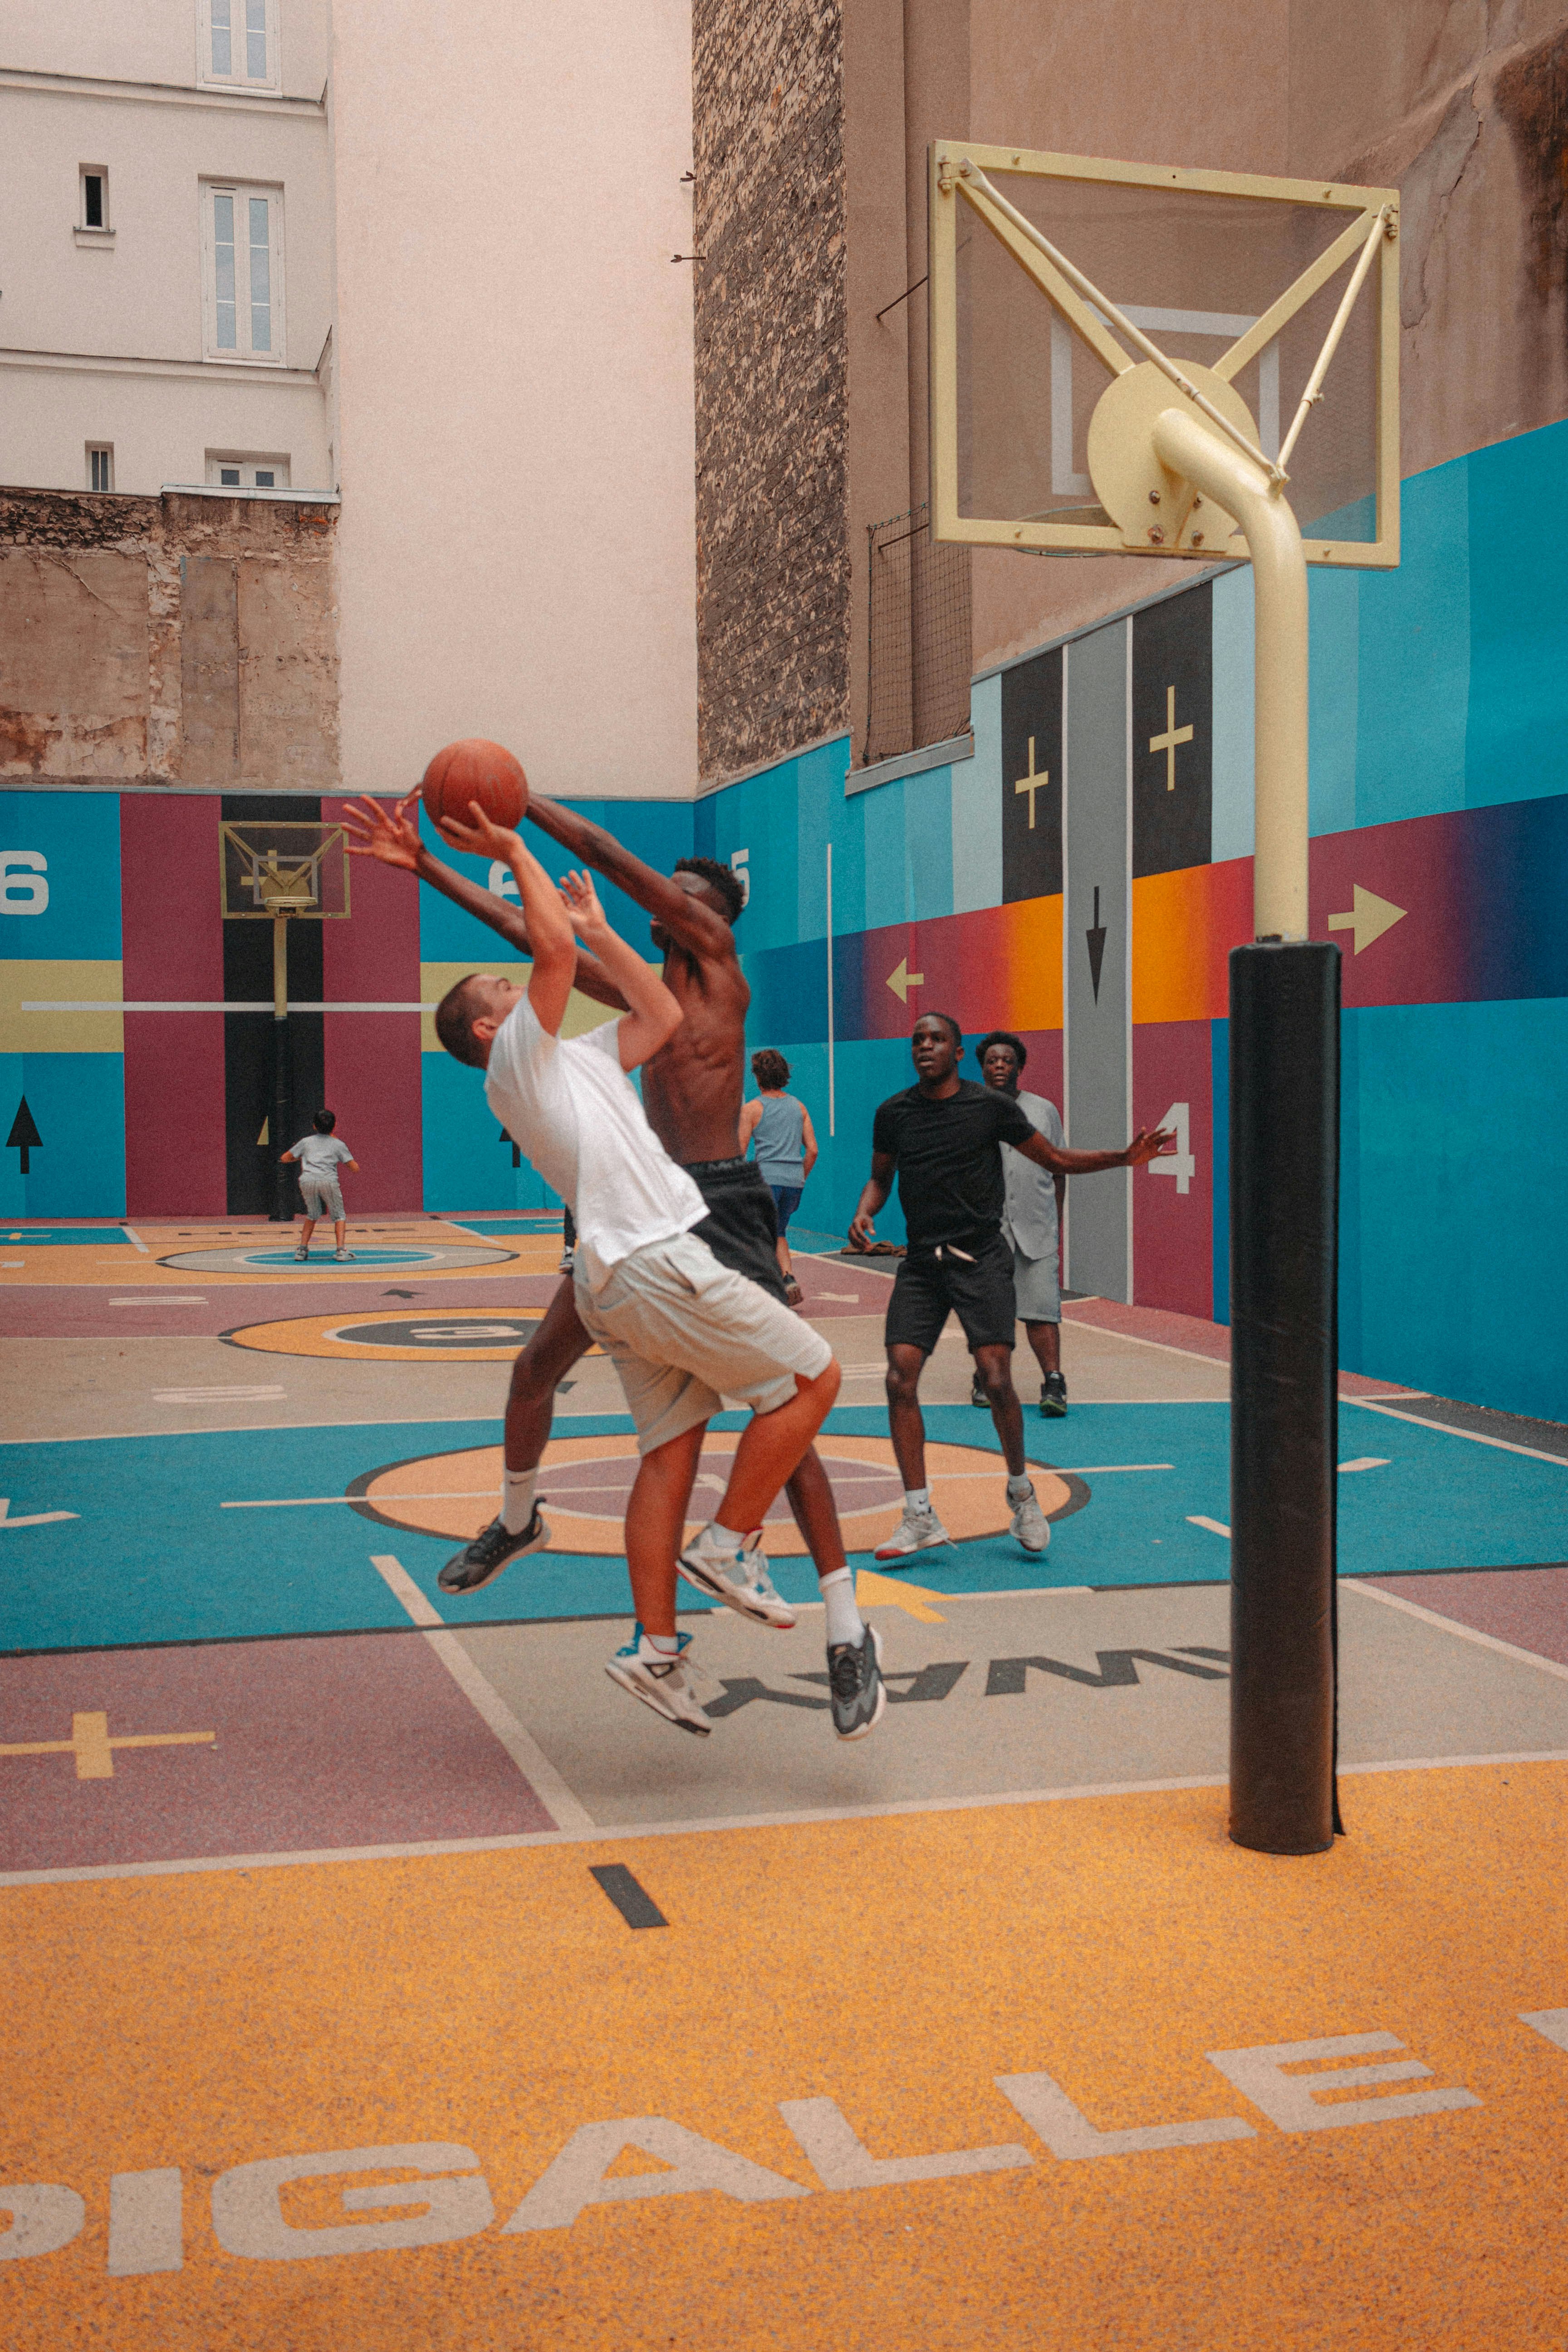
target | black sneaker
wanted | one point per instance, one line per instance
(491, 1551)
(855, 1690)
(1053, 1397)
(977, 1393)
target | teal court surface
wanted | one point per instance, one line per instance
(302, 1854)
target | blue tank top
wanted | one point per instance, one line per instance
(780, 1141)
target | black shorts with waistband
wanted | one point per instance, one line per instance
(742, 1226)
(975, 1283)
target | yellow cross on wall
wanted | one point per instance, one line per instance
(1168, 741)
(94, 1750)
(1032, 782)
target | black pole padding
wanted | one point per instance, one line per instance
(1284, 1359)
(281, 1127)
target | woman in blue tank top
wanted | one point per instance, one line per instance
(781, 1129)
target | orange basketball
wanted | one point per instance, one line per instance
(475, 770)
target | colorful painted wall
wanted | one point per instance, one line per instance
(1081, 879)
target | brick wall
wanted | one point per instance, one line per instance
(773, 559)
(169, 640)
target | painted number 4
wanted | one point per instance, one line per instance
(1179, 1164)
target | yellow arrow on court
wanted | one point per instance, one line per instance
(874, 1591)
(1369, 917)
(900, 980)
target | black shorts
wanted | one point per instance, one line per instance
(741, 1227)
(978, 1289)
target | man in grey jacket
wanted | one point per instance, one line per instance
(1031, 1223)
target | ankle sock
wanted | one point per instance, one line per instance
(844, 1620)
(722, 1538)
(517, 1499)
(1018, 1487)
(917, 1498)
(666, 1644)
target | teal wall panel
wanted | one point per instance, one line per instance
(77, 1103)
(467, 1161)
(1519, 618)
(78, 837)
(1414, 659)
(928, 842)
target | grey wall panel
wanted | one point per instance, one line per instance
(1096, 949)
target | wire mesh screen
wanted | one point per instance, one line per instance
(918, 673)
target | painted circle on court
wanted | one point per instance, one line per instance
(437, 1259)
(583, 1483)
(445, 1335)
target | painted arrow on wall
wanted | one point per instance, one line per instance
(1096, 937)
(900, 980)
(1368, 918)
(24, 1136)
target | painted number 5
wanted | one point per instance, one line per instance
(23, 889)
(1179, 1164)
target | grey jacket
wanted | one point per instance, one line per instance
(1029, 1217)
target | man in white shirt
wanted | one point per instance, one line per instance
(1031, 1223)
(683, 1331)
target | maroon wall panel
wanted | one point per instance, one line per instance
(373, 1058)
(1173, 1212)
(172, 928)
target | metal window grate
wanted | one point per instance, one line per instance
(916, 687)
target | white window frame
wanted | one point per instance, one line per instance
(100, 449)
(241, 191)
(271, 84)
(245, 462)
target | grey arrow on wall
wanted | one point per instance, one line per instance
(1096, 937)
(24, 1136)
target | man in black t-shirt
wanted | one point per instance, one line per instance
(943, 1137)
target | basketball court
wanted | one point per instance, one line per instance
(328, 1892)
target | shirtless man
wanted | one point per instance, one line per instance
(692, 1091)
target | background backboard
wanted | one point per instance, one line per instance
(1239, 273)
(279, 867)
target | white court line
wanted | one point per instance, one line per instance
(157, 1298)
(1453, 1625)
(615, 1833)
(1215, 1527)
(1506, 1444)
(486, 1703)
(134, 1238)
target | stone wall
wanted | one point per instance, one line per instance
(171, 640)
(772, 562)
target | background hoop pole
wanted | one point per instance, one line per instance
(281, 1129)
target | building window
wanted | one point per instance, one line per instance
(100, 466)
(94, 211)
(243, 232)
(237, 43)
(230, 469)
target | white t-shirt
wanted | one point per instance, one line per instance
(570, 1105)
(318, 1156)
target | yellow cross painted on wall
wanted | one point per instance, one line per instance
(1168, 741)
(1032, 782)
(93, 1749)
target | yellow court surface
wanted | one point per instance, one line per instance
(910, 2079)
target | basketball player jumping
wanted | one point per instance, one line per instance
(692, 1090)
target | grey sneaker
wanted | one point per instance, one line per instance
(494, 1548)
(302, 1257)
(855, 1690)
(916, 1531)
(660, 1681)
(343, 1258)
(737, 1577)
(1053, 1397)
(1030, 1524)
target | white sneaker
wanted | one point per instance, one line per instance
(916, 1531)
(1030, 1524)
(659, 1680)
(343, 1258)
(737, 1577)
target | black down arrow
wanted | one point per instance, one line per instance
(1096, 937)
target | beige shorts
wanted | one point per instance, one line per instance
(685, 1333)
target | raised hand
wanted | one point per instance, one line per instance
(581, 903)
(370, 832)
(479, 837)
(1149, 1143)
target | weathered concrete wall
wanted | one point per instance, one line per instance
(170, 640)
(772, 555)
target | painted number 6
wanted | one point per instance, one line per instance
(22, 889)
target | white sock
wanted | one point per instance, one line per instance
(722, 1538)
(1020, 1487)
(844, 1620)
(666, 1644)
(917, 1498)
(517, 1499)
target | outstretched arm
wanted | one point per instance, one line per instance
(394, 840)
(653, 1014)
(689, 922)
(1145, 1145)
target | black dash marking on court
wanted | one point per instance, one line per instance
(400, 1294)
(633, 1903)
